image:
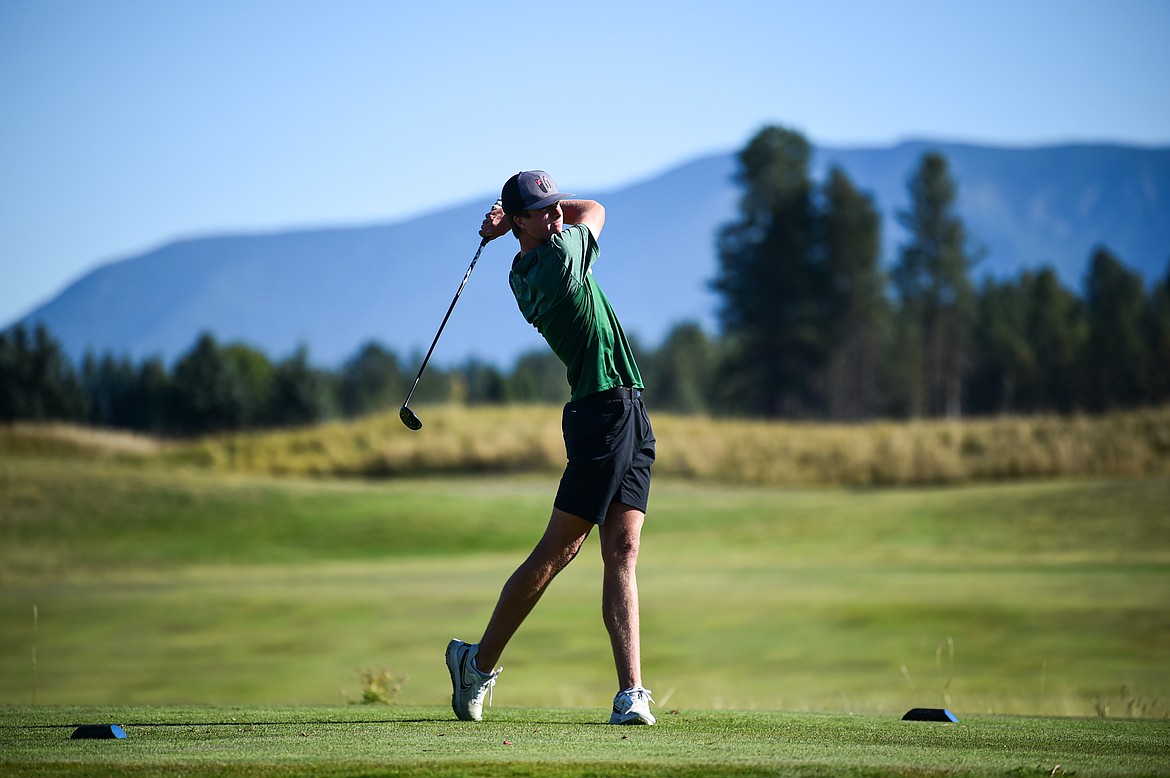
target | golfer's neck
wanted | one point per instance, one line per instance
(528, 243)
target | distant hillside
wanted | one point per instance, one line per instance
(1033, 206)
(335, 289)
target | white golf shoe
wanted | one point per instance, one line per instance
(468, 684)
(632, 706)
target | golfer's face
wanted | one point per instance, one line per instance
(546, 222)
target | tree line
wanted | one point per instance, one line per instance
(216, 387)
(811, 326)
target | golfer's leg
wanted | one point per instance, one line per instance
(620, 536)
(561, 542)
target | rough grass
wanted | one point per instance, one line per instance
(527, 439)
(53, 439)
(514, 439)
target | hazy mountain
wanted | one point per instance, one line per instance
(335, 289)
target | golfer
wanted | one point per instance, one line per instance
(608, 440)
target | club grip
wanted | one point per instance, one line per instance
(499, 203)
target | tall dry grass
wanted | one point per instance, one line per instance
(918, 452)
(527, 439)
(454, 439)
(56, 439)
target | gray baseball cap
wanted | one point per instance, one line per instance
(530, 190)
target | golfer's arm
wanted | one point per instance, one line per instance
(588, 212)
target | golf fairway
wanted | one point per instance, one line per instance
(785, 631)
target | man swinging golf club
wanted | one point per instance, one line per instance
(608, 440)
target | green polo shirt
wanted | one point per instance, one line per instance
(557, 294)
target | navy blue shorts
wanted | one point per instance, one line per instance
(610, 448)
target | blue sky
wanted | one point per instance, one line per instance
(130, 123)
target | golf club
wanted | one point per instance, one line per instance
(409, 417)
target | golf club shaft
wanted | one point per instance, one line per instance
(435, 342)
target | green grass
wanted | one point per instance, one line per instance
(161, 586)
(785, 630)
(424, 741)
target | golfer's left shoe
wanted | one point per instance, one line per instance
(632, 706)
(468, 684)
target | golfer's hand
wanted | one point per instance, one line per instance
(494, 224)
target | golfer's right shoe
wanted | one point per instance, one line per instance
(632, 706)
(468, 684)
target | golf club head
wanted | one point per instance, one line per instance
(409, 419)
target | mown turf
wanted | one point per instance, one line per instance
(418, 741)
(163, 586)
(785, 631)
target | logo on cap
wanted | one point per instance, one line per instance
(539, 180)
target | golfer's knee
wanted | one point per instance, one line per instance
(555, 557)
(620, 551)
(567, 555)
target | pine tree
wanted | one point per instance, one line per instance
(774, 292)
(682, 371)
(300, 394)
(932, 278)
(1003, 361)
(372, 380)
(211, 393)
(1158, 341)
(851, 244)
(1055, 332)
(1116, 354)
(538, 377)
(37, 380)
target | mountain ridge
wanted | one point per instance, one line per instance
(333, 288)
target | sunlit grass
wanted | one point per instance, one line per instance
(514, 439)
(554, 742)
(527, 439)
(158, 585)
